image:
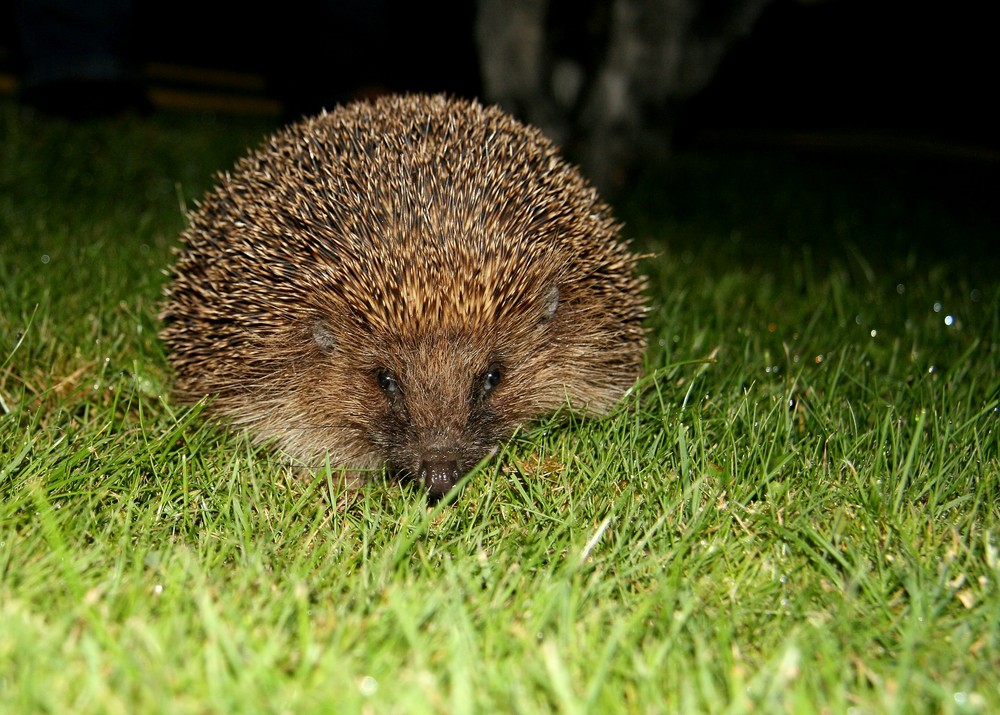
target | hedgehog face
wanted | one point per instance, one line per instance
(444, 369)
(430, 403)
(439, 411)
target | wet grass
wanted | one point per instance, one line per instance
(797, 512)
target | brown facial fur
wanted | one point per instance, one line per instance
(402, 282)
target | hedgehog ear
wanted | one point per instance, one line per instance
(323, 336)
(550, 303)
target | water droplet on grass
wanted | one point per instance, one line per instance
(368, 686)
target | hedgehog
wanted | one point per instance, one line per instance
(401, 283)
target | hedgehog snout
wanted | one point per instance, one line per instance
(439, 472)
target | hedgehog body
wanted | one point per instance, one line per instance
(403, 283)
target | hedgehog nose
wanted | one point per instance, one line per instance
(439, 475)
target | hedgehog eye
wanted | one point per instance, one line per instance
(491, 378)
(388, 383)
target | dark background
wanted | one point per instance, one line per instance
(927, 68)
(902, 68)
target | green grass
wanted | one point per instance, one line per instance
(798, 512)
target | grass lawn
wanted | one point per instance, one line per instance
(798, 512)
